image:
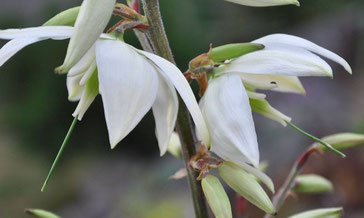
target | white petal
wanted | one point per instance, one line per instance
(165, 110)
(280, 59)
(74, 88)
(13, 46)
(226, 108)
(256, 84)
(89, 72)
(303, 43)
(256, 95)
(24, 37)
(280, 83)
(264, 108)
(91, 21)
(89, 93)
(49, 32)
(260, 175)
(265, 3)
(128, 86)
(176, 77)
(84, 64)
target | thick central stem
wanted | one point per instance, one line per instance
(160, 44)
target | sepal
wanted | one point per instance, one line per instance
(65, 18)
(234, 50)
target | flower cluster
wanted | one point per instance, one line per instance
(132, 81)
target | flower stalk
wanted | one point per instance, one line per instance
(289, 183)
(160, 45)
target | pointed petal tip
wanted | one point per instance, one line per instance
(75, 114)
(162, 153)
(114, 141)
(302, 92)
(297, 3)
(113, 145)
(349, 70)
(284, 122)
(329, 73)
(60, 70)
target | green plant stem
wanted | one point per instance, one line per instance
(60, 152)
(185, 129)
(143, 40)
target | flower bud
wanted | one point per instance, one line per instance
(90, 23)
(65, 18)
(230, 51)
(343, 141)
(174, 146)
(264, 108)
(216, 197)
(37, 213)
(311, 183)
(335, 212)
(265, 3)
(246, 185)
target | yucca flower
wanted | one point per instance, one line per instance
(231, 93)
(130, 81)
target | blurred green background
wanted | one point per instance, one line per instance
(94, 181)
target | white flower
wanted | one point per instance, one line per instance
(130, 81)
(265, 3)
(90, 23)
(226, 108)
(226, 104)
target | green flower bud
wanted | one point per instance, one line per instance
(230, 51)
(265, 3)
(216, 197)
(246, 185)
(335, 212)
(65, 18)
(343, 141)
(174, 146)
(264, 108)
(38, 213)
(311, 183)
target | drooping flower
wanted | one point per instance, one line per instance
(130, 81)
(231, 93)
(265, 3)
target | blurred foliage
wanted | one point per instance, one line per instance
(35, 113)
